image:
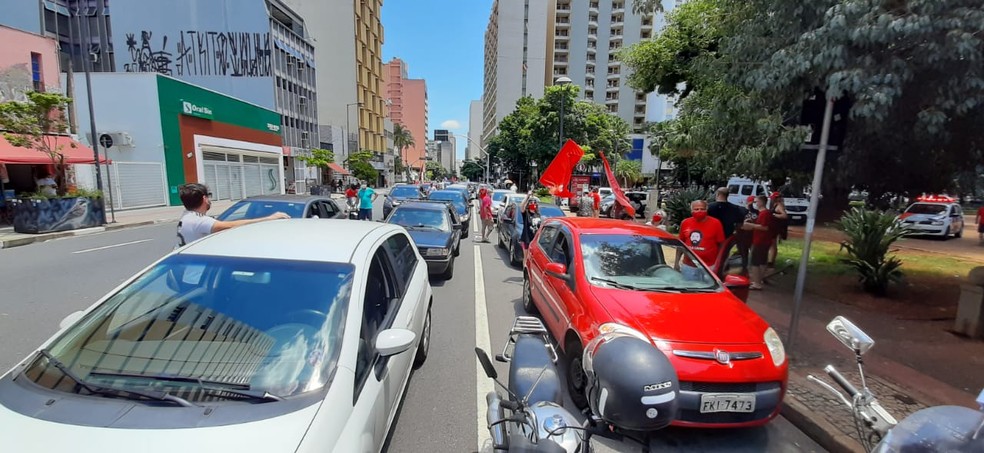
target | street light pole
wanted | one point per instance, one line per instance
(94, 141)
(562, 82)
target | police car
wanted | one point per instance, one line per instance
(936, 215)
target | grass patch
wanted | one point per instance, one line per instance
(825, 258)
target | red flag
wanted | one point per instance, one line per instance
(616, 189)
(557, 175)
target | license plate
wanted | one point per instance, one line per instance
(723, 402)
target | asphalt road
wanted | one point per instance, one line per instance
(41, 283)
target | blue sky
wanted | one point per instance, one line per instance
(442, 42)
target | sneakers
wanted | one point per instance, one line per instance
(755, 286)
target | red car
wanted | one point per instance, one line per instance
(586, 276)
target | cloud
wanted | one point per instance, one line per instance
(451, 124)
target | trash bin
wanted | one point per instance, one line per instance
(970, 307)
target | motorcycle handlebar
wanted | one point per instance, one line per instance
(841, 381)
(511, 405)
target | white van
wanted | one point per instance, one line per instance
(739, 189)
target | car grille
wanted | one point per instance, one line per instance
(728, 387)
(796, 208)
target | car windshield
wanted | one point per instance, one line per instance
(498, 196)
(455, 197)
(242, 324)
(926, 208)
(641, 262)
(254, 209)
(411, 218)
(405, 192)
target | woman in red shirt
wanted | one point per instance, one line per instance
(761, 241)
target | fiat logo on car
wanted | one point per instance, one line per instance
(722, 356)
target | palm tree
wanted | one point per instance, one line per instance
(402, 139)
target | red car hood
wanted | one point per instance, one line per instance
(717, 318)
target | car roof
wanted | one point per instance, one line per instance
(325, 240)
(284, 197)
(438, 205)
(590, 225)
(502, 191)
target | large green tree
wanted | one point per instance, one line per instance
(402, 139)
(36, 124)
(911, 70)
(361, 167)
(531, 133)
(473, 170)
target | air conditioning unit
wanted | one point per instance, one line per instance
(118, 139)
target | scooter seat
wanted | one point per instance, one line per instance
(530, 359)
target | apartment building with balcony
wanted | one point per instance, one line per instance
(408, 106)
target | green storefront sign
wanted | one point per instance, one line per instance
(192, 109)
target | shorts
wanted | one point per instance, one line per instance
(365, 214)
(760, 254)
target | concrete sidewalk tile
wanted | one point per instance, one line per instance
(805, 418)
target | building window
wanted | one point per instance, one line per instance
(36, 72)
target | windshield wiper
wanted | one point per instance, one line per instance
(425, 227)
(614, 283)
(680, 289)
(112, 391)
(229, 388)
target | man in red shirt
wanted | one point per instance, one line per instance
(980, 225)
(704, 235)
(761, 241)
(597, 202)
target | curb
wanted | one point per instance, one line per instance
(816, 428)
(44, 237)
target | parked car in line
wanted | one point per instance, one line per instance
(265, 328)
(403, 192)
(510, 228)
(588, 277)
(461, 204)
(934, 215)
(464, 190)
(435, 232)
(499, 201)
(296, 206)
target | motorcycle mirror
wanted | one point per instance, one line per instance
(486, 363)
(850, 335)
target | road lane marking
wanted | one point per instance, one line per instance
(112, 246)
(484, 384)
(475, 224)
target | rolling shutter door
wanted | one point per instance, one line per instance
(139, 184)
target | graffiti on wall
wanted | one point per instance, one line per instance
(15, 82)
(200, 53)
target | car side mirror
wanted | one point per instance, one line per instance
(557, 270)
(72, 318)
(394, 341)
(483, 358)
(457, 226)
(736, 281)
(850, 335)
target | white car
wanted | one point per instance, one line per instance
(265, 337)
(938, 216)
(499, 201)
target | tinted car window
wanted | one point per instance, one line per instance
(546, 237)
(411, 218)
(266, 325)
(404, 192)
(404, 257)
(460, 203)
(254, 209)
(926, 208)
(746, 190)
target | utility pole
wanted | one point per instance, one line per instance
(810, 222)
(94, 141)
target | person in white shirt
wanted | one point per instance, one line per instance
(194, 224)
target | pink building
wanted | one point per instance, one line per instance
(408, 108)
(28, 62)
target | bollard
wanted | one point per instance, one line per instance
(970, 306)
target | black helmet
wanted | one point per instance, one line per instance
(630, 383)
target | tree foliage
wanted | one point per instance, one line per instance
(628, 171)
(35, 124)
(359, 164)
(473, 170)
(402, 139)
(531, 132)
(913, 71)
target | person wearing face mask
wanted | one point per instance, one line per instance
(194, 224)
(761, 239)
(530, 209)
(704, 235)
(367, 196)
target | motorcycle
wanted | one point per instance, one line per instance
(532, 418)
(935, 429)
(352, 206)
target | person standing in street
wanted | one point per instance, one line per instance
(761, 241)
(485, 213)
(704, 235)
(366, 197)
(779, 226)
(730, 216)
(585, 205)
(597, 202)
(530, 210)
(194, 224)
(980, 225)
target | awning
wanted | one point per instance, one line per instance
(335, 168)
(75, 153)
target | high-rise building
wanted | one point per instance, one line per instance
(586, 36)
(349, 39)
(255, 50)
(447, 146)
(408, 107)
(474, 150)
(515, 58)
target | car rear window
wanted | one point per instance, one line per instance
(254, 209)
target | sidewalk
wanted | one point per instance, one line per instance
(124, 219)
(914, 364)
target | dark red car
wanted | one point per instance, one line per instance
(586, 276)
